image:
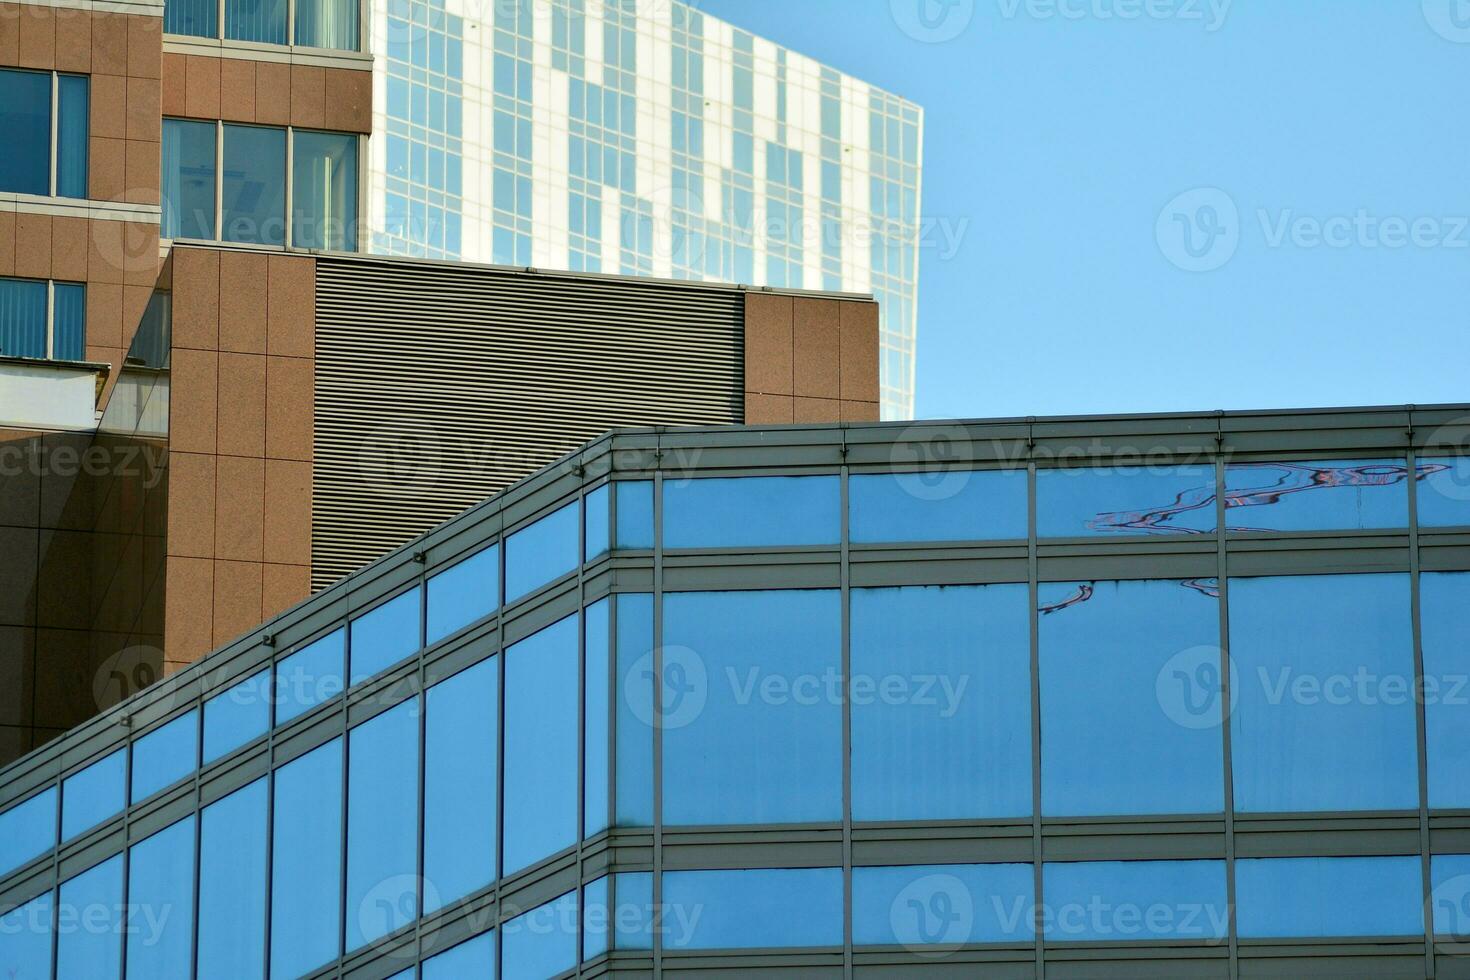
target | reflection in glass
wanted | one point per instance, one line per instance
(635, 514)
(165, 755)
(324, 185)
(188, 179)
(256, 20)
(540, 943)
(963, 903)
(194, 18)
(1449, 881)
(464, 593)
(1444, 492)
(27, 830)
(598, 529)
(68, 321)
(327, 24)
(475, 958)
(306, 862)
(757, 909)
(94, 794)
(752, 512)
(160, 941)
(254, 202)
(597, 744)
(384, 636)
(1317, 496)
(461, 735)
(541, 741)
(1321, 897)
(96, 898)
(543, 551)
(22, 318)
(1111, 901)
(1444, 598)
(1125, 500)
(310, 676)
(237, 716)
(948, 505)
(232, 882)
(25, 113)
(72, 129)
(635, 679)
(27, 945)
(382, 824)
(597, 917)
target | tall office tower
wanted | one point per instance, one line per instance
(642, 138)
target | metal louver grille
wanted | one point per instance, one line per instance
(438, 385)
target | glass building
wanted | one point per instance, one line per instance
(1176, 696)
(644, 139)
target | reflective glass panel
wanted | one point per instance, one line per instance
(382, 824)
(752, 909)
(1125, 500)
(629, 914)
(232, 882)
(464, 593)
(1325, 715)
(598, 741)
(964, 903)
(327, 24)
(1444, 492)
(22, 318)
(188, 179)
(72, 127)
(633, 760)
(475, 958)
(160, 941)
(635, 514)
(542, 942)
(384, 636)
(1111, 653)
(254, 193)
(324, 180)
(306, 862)
(68, 321)
(948, 505)
(1321, 897)
(195, 18)
(25, 115)
(1443, 600)
(25, 939)
(941, 702)
(165, 756)
(598, 522)
(1317, 496)
(94, 794)
(1449, 900)
(752, 512)
(27, 830)
(541, 736)
(596, 918)
(751, 699)
(93, 898)
(462, 728)
(544, 551)
(310, 676)
(256, 20)
(238, 716)
(1116, 901)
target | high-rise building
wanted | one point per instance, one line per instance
(1175, 696)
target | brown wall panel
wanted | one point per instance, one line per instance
(268, 92)
(810, 359)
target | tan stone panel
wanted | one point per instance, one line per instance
(237, 588)
(284, 587)
(109, 99)
(109, 44)
(33, 245)
(105, 355)
(142, 171)
(762, 409)
(104, 255)
(860, 411)
(196, 298)
(308, 96)
(201, 87)
(140, 253)
(104, 314)
(37, 47)
(237, 89)
(290, 387)
(242, 302)
(145, 47)
(106, 169)
(188, 630)
(818, 410)
(859, 351)
(69, 238)
(291, 307)
(193, 386)
(173, 85)
(815, 348)
(18, 575)
(240, 514)
(73, 40)
(288, 511)
(272, 93)
(9, 33)
(349, 100)
(145, 109)
(192, 479)
(241, 405)
(7, 243)
(768, 345)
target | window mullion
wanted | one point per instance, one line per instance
(50, 352)
(55, 112)
(219, 181)
(289, 234)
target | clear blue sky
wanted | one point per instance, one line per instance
(1062, 140)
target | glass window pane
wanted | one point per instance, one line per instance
(598, 740)
(475, 958)
(324, 181)
(1125, 500)
(188, 179)
(160, 940)
(232, 881)
(26, 948)
(1325, 717)
(1444, 492)
(382, 824)
(599, 515)
(255, 20)
(541, 734)
(953, 505)
(752, 512)
(310, 676)
(69, 321)
(630, 913)
(752, 909)
(596, 918)
(752, 707)
(1110, 653)
(1340, 495)
(384, 636)
(254, 206)
(27, 830)
(464, 593)
(238, 716)
(544, 551)
(72, 123)
(634, 757)
(327, 24)
(22, 317)
(195, 18)
(542, 942)
(165, 756)
(941, 702)
(921, 906)
(1111, 901)
(460, 763)
(1322, 897)
(93, 897)
(94, 794)
(306, 862)
(1449, 877)
(635, 514)
(1443, 600)
(25, 118)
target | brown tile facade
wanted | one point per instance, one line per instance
(810, 359)
(269, 92)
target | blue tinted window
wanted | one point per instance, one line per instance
(544, 551)
(1312, 897)
(188, 178)
(475, 958)
(633, 761)
(752, 512)
(165, 755)
(324, 181)
(598, 741)
(596, 918)
(1111, 901)
(1325, 714)
(160, 940)
(306, 861)
(752, 707)
(72, 124)
(1444, 492)
(27, 831)
(68, 321)
(599, 517)
(752, 909)
(238, 716)
(196, 18)
(540, 943)
(464, 593)
(232, 881)
(1443, 600)
(1449, 877)
(25, 112)
(462, 728)
(256, 20)
(1124, 500)
(26, 949)
(385, 636)
(941, 702)
(92, 903)
(382, 824)
(628, 914)
(254, 201)
(327, 24)
(1110, 654)
(920, 906)
(635, 514)
(22, 317)
(541, 735)
(94, 794)
(953, 505)
(1340, 495)
(310, 676)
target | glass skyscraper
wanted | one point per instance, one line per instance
(643, 138)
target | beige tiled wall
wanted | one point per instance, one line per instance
(267, 92)
(809, 359)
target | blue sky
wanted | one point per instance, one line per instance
(1315, 152)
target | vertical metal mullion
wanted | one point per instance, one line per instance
(658, 707)
(1033, 578)
(270, 806)
(581, 710)
(1420, 721)
(499, 842)
(50, 349)
(127, 855)
(421, 872)
(55, 123)
(345, 756)
(219, 183)
(1227, 696)
(288, 234)
(846, 586)
(198, 844)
